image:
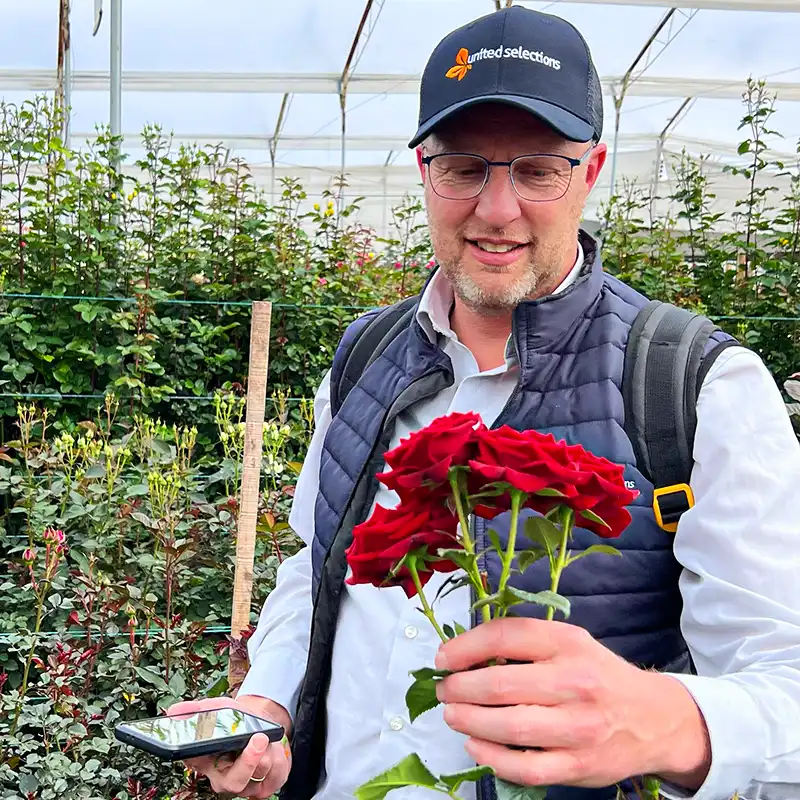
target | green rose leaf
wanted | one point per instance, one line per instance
(462, 558)
(152, 678)
(408, 772)
(596, 548)
(528, 557)
(421, 695)
(543, 532)
(592, 517)
(511, 791)
(494, 539)
(453, 781)
(549, 492)
(545, 598)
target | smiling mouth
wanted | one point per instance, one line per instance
(491, 247)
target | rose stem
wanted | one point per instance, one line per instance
(566, 528)
(474, 574)
(426, 608)
(508, 557)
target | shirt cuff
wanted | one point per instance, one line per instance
(737, 734)
(275, 678)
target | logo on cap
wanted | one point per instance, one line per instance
(462, 66)
(465, 60)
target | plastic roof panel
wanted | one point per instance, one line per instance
(312, 37)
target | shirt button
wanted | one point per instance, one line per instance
(396, 723)
(410, 632)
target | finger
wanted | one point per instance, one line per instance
(536, 767)
(276, 774)
(524, 726)
(511, 685)
(243, 769)
(516, 638)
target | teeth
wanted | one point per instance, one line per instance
(489, 247)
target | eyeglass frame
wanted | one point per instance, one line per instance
(573, 163)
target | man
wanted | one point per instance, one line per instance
(520, 324)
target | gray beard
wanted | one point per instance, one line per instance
(477, 297)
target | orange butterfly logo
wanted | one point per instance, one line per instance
(462, 67)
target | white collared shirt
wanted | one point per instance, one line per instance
(739, 546)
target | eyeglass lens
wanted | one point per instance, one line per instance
(460, 177)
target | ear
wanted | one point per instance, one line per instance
(595, 165)
(420, 164)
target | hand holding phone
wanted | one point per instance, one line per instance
(259, 763)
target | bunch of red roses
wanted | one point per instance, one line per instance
(456, 466)
(450, 470)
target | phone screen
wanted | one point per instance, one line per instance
(201, 726)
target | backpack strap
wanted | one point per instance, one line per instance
(665, 365)
(373, 338)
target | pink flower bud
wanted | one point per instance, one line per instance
(398, 265)
(29, 556)
(360, 262)
(413, 264)
(323, 281)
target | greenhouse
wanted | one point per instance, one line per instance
(197, 200)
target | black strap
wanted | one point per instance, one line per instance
(370, 342)
(664, 369)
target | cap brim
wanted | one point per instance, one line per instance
(562, 122)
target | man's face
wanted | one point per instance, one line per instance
(467, 234)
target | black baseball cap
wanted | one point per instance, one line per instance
(519, 57)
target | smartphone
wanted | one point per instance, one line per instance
(201, 733)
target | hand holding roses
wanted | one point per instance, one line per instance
(589, 717)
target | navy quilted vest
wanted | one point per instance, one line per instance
(571, 352)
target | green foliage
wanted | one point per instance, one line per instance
(124, 612)
(745, 264)
(191, 240)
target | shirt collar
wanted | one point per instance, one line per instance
(436, 303)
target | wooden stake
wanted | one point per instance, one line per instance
(251, 482)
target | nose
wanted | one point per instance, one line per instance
(498, 203)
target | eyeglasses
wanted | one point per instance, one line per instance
(538, 178)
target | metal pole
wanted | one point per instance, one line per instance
(618, 111)
(63, 69)
(384, 222)
(115, 99)
(626, 82)
(662, 138)
(67, 90)
(343, 81)
(273, 145)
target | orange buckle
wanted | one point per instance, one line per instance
(670, 503)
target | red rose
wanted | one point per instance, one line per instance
(390, 534)
(422, 461)
(532, 461)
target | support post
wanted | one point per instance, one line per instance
(343, 81)
(251, 481)
(115, 68)
(64, 69)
